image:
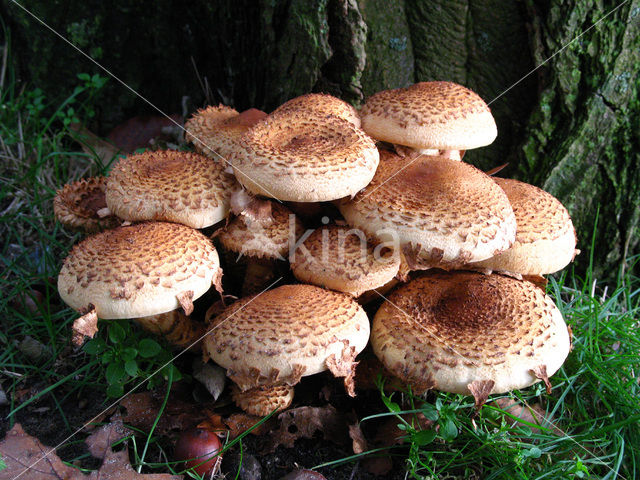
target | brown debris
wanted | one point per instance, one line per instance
(85, 326)
(185, 299)
(359, 442)
(480, 389)
(540, 372)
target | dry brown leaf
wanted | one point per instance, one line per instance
(140, 131)
(20, 452)
(85, 326)
(239, 423)
(92, 144)
(359, 442)
(304, 422)
(378, 466)
(99, 442)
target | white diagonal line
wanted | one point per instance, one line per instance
(113, 75)
(116, 402)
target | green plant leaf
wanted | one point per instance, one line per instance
(448, 429)
(115, 390)
(115, 372)
(392, 406)
(95, 346)
(116, 333)
(131, 367)
(430, 412)
(148, 348)
(129, 353)
(423, 437)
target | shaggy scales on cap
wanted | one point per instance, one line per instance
(321, 104)
(449, 330)
(81, 205)
(281, 335)
(294, 156)
(444, 213)
(430, 115)
(337, 257)
(545, 237)
(139, 270)
(172, 186)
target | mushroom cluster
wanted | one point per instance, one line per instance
(380, 196)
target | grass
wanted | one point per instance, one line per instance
(592, 416)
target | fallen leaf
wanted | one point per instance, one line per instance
(116, 466)
(138, 132)
(24, 455)
(92, 144)
(239, 423)
(359, 442)
(100, 441)
(304, 422)
(33, 349)
(213, 377)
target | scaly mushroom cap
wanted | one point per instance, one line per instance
(321, 104)
(339, 258)
(445, 213)
(214, 131)
(545, 237)
(295, 156)
(139, 270)
(430, 115)
(447, 330)
(262, 401)
(168, 185)
(77, 205)
(262, 239)
(286, 333)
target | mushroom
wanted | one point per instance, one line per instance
(321, 105)
(440, 212)
(340, 258)
(275, 338)
(81, 205)
(261, 243)
(545, 237)
(137, 271)
(294, 155)
(468, 333)
(169, 185)
(214, 131)
(436, 118)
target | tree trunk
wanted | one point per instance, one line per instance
(570, 127)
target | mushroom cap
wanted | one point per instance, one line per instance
(283, 334)
(215, 130)
(295, 156)
(446, 330)
(76, 205)
(444, 213)
(262, 239)
(545, 237)
(138, 270)
(262, 401)
(430, 115)
(169, 185)
(321, 104)
(339, 258)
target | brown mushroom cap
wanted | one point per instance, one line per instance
(321, 104)
(169, 185)
(339, 258)
(215, 130)
(77, 205)
(447, 330)
(444, 213)
(294, 156)
(430, 115)
(262, 239)
(545, 237)
(286, 333)
(138, 270)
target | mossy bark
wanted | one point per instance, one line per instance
(570, 127)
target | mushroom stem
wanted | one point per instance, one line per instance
(175, 327)
(451, 154)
